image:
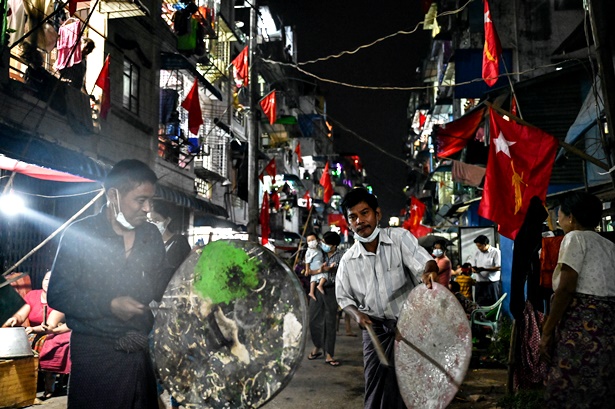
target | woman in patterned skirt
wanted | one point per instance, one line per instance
(578, 337)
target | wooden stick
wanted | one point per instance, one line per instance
(377, 345)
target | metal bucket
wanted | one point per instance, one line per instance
(14, 343)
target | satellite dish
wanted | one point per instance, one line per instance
(231, 328)
(434, 355)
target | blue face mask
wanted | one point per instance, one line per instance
(325, 247)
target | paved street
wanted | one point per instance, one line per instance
(318, 385)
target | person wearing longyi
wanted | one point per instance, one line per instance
(372, 284)
(107, 269)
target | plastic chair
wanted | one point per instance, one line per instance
(488, 316)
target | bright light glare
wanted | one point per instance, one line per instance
(11, 204)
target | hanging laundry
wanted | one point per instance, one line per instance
(70, 33)
(16, 20)
(186, 43)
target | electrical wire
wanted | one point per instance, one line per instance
(412, 88)
(400, 32)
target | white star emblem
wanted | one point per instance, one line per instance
(488, 17)
(414, 207)
(501, 144)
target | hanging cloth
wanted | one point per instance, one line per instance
(69, 36)
(531, 370)
(16, 20)
(548, 259)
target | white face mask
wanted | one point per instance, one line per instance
(162, 226)
(119, 216)
(370, 238)
(438, 252)
(312, 244)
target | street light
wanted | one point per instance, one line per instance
(11, 204)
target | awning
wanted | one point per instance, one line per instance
(174, 61)
(576, 40)
(588, 114)
(38, 172)
(28, 148)
(182, 199)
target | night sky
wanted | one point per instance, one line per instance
(328, 27)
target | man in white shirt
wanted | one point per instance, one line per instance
(373, 280)
(486, 264)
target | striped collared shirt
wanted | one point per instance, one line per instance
(377, 284)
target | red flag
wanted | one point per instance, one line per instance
(491, 51)
(308, 199)
(193, 106)
(420, 231)
(270, 169)
(269, 106)
(454, 136)
(264, 219)
(325, 182)
(241, 67)
(417, 210)
(338, 219)
(104, 82)
(298, 152)
(422, 119)
(513, 106)
(275, 198)
(519, 167)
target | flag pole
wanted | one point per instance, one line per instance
(303, 235)
(512, 89)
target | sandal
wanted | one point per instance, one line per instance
(312, 356)
(333, 362)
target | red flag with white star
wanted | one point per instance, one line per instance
(491, 51)
(519, 167)
(417, 210)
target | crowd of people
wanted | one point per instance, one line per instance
(111, 267)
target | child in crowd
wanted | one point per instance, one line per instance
(465, 281)
(314, 259)
(467, 304)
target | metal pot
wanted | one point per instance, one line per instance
(14, 343)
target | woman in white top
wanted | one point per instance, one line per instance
(579, 335)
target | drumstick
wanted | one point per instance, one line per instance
(377, 345)
(428, 358)
(44, 315)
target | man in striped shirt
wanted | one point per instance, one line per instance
(373, 280)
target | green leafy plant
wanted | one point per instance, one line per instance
(499, 346)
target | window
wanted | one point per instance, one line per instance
(131, 86)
